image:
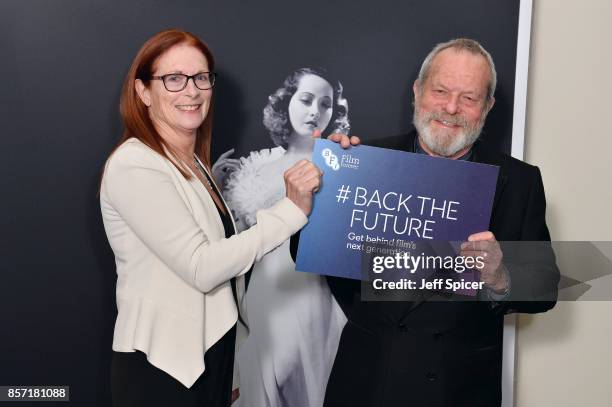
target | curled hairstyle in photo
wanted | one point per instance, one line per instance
(276, 115)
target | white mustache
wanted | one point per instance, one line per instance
(455, 120)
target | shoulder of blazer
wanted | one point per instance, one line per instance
(514, 174)
(509, 167)
(134, 152)
(134, 155)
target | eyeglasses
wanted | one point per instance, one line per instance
(176, 82)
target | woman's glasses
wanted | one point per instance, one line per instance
(176, 82)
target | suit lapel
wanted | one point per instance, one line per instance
(480, 155)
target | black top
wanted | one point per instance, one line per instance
(230, 230)
(228, 225)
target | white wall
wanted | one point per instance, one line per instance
(564, 357)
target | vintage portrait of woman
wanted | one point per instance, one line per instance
(294, 321)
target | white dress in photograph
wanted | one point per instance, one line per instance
(294, 321)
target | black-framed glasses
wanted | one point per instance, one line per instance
(176, 82)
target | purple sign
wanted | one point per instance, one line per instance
(375, 199)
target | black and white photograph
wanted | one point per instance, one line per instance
(295, 323)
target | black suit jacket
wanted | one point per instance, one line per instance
(427, 353)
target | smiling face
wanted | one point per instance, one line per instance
(176, 113)
(311, 106)
(451, 105)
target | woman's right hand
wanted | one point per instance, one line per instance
(301, 182)
(224, 166)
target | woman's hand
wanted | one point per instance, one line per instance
(301, 182)
(224, 166)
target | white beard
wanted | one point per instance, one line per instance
(440, 141)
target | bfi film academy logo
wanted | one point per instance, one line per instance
(346, 161)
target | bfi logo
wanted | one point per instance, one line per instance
(346, 161)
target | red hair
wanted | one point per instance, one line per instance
(134, 113)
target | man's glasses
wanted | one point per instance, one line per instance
(176, 82)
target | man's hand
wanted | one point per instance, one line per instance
(344, 140)
(485, 245)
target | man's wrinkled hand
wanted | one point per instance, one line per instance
(484, 245)
(344, 140)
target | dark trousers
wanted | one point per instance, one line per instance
(135, 382)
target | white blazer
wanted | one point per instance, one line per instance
(174, 298)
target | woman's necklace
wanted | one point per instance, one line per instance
(213, 192)
(203, 172)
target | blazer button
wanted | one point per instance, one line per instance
(432, 377)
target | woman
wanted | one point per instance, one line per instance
(295, 322)
(180, 263)
(291, 119)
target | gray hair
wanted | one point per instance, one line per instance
(460, 44)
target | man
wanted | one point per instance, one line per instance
(426, 353)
